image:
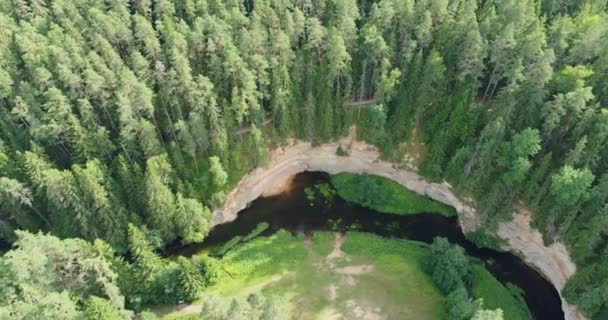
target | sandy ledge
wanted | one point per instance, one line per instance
(553, 261)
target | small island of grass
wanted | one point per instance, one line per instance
(385, 195)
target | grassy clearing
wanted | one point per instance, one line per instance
(495, 295)
(385, 195)
(298, 271)
(181, 317)
(398, 282)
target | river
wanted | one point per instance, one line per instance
(293, 211)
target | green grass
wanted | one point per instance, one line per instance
(385, 195)
(398, 283)
(397, 287)
(292, 268)
(495, 295)
(181, 317)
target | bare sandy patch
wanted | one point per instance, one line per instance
(337, 252)
(333, 292)
(356, 270)
(282, 184)
(363, 312)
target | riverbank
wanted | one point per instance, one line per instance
(295, 157)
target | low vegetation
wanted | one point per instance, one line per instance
(223, 249)
(385, 195)
(471, 290)
(381, 276)
(497, 296)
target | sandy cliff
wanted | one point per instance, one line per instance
(552, 261)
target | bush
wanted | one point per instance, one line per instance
(208, 267)
(212, 308)
(448, 265)
(101, 309)
(483, 239)
(341, 152)
(458, 305)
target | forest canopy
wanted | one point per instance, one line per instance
(145, 113)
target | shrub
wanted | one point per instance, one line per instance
(208, 267)
(483, 239)
(448, 265)
(458, 305)
(101, 309)
(341, 152)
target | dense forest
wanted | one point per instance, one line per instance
(125, 122)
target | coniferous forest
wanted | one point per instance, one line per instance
(124, 123)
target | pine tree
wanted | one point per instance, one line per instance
(146, 264)
(189, 279)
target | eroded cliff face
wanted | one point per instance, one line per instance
(553, 261)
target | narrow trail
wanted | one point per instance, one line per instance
(347, 279)
(337, 252)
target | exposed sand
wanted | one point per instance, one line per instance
(552, 261)
(354, 310)
(337, 252)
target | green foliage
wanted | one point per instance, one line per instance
(150, 279)
(310, 194)
(571, 185)
(325, 190)
(221, 251)
(261, 227)
(209, 268)
(495, 295)
(100, 309)
(190, 279)
(458, 305)
(371, 125)
(447, 265)
(586, 288)
(482, 239)
(385, 195)
(47, 278)
(252, 257)
(212, 308)
(256, 306)
(488, 315)
(342, 152)
(106, 109)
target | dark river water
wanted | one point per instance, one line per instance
(293, 212)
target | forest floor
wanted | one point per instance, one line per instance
(552, 261)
